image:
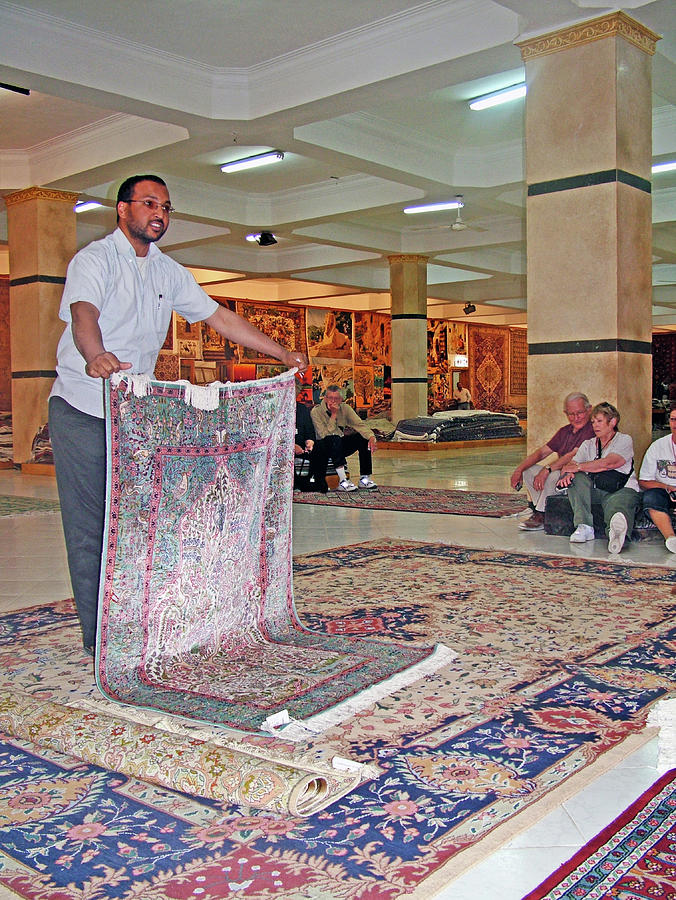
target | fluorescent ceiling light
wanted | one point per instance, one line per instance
(665, 166)
(434, 207)
(86, 205)
(497, 97)
(252, 162)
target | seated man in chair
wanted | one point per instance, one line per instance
(340, 432)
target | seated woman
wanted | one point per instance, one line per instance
(602, 471)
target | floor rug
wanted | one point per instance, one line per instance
(633, 858)
(26, 506)
(425, 500)
(562, 658)
(196, 615)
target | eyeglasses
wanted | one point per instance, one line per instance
(154, 205)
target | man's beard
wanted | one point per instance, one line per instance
(142, 234)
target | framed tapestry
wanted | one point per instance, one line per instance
(489, 354)
(518, 361)
(437, 346)
(284, 324)
(372, 339)
(329, 333)
(214, 345)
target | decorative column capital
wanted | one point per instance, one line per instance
(40, 193)
(617, 24)
(407, 257)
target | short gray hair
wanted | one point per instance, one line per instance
(576, 395)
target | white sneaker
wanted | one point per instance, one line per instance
(581, 534)
(346, 486)
(367, 484)
(617, 532)
(671, 544)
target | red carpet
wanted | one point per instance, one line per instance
(409, 499)
(632, 859)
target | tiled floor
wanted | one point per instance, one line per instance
(33, 569)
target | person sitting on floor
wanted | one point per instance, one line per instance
(657, 478)
(304, 478)
(541, 481)
(602, 471)
(340, 432)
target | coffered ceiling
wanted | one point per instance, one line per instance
(368, 102)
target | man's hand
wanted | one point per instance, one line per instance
(294, 359)
(103, 365)
(540, 478)
(309, 444)
(297, 450)
(516, 478)
(373, 444)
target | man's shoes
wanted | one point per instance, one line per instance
(617, 532)
(346, 486)
(366, 484)
(535, 523)
(581, 534)
(670, 544)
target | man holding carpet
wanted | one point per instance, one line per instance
(118, 299)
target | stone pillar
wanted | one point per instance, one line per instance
(588, 169)
(408, 287)
(41, 231)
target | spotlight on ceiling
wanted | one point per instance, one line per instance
(252, 162)
(469, 308)
(262, 238)
(495, 98)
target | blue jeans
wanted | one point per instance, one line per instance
(79, 447)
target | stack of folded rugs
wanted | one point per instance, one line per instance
(459, 425)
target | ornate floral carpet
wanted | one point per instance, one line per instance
(561, 661)
(633, 858)
(405, 499)
(196, 616)
(26, 506)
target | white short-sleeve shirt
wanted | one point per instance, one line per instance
(622, 444)
(134, 312)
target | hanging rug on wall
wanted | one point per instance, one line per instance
(196, 613)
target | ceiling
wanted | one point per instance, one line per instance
(368, 101)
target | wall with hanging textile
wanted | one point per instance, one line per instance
(488, 348)
(284, 324)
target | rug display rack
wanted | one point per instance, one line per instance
(561, 661)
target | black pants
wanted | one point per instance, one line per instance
(79, 447)
(306, 476)
(338, 448)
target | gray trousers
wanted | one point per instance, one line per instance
(582, 494)
(79, 447)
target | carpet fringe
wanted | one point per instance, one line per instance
(291, 729)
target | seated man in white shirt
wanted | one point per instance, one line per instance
(657, 479)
